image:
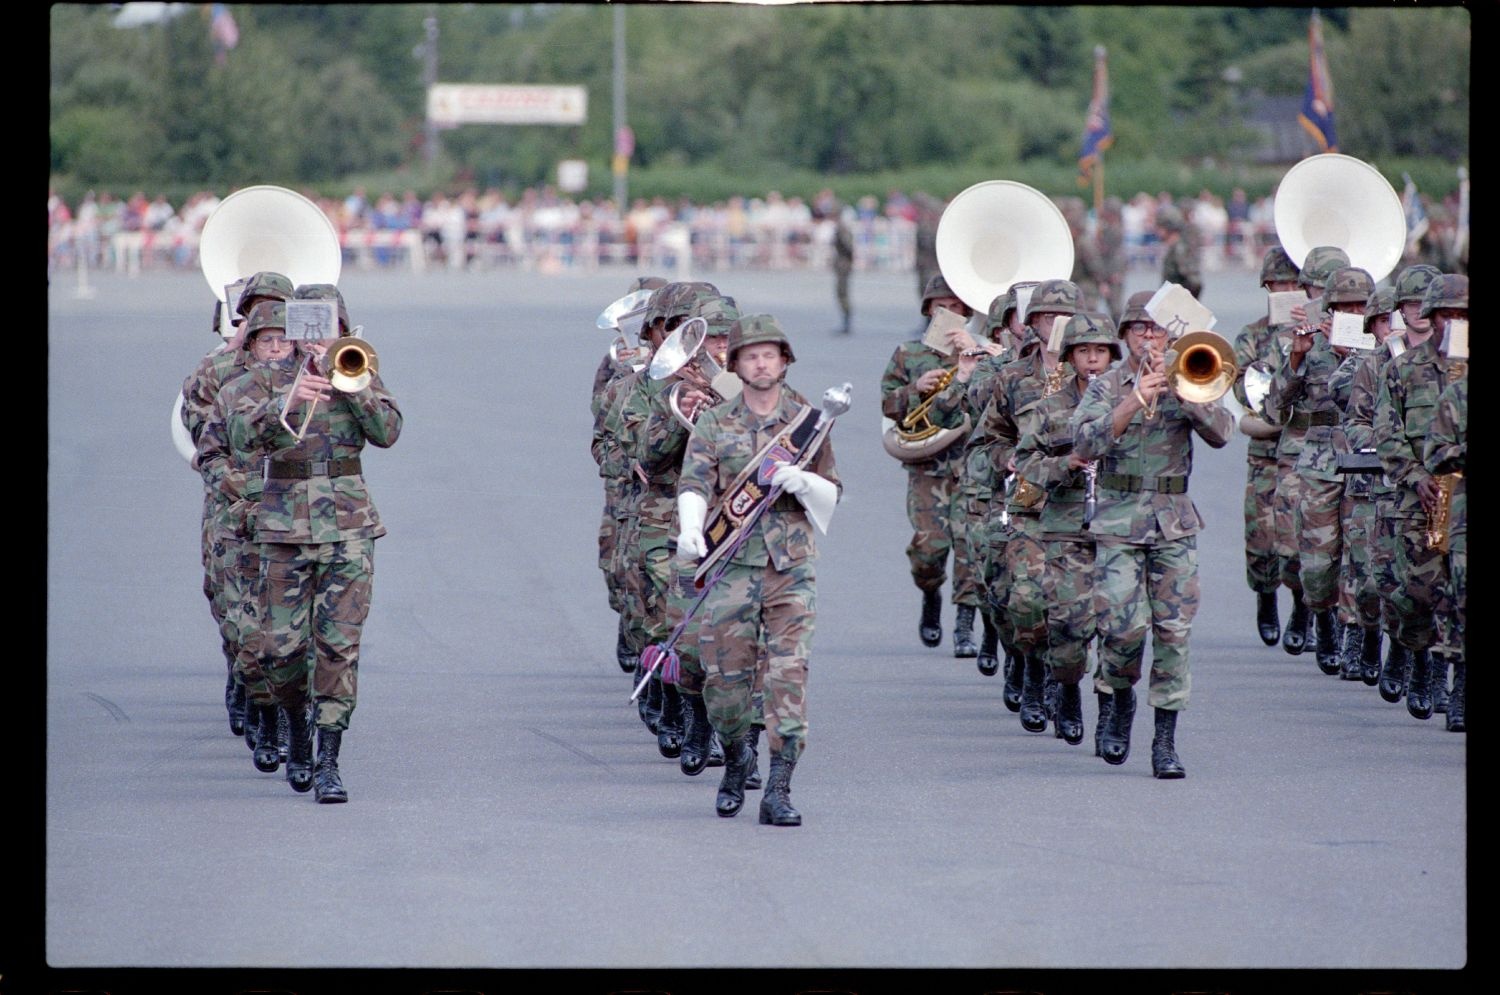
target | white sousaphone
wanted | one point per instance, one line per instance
(261, 228)
(991, 236)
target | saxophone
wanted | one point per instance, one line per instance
(1439, 521)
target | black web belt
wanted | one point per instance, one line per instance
(302, 469)
(1306, 419)
(1134, 484)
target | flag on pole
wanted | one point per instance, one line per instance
(1416, 214)
(1317, 102)
(224, 32)
(1097, 134)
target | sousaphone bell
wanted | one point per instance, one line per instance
(1338, 200)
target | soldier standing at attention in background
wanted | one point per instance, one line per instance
(1180, 261)
(1146, 530)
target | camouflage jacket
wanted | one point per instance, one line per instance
(316, 509)
(1150, 450)
(981, 385)
(1250, 347)
(202, 385)
(622, 483)
(1018, 386)
(899, 394)
(1046, 442)
(1275, 346)
(1446, 448)
(1180, 264)
(603, 376)
(1359, 417)
(231, 447)
(1403, 415)
(1313, 388)
(725, 439)
(656, 442)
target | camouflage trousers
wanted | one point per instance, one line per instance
(238, 572)
(1320, 540)
(1423, 598)
(747, 606)
(214, 555)
(1458, 573)
(935, 508)
(1286, 509)
(987, 541)
(1026, 599)
(1147, 588)
(1262, 562)
(1384, 565)
(1359, 595)
(607, 533)
(629, 579)
(669, 594)
(314, 599)
(1071, 624)
(841, 285)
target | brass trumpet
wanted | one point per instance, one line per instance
(349, 364)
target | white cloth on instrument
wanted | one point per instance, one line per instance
(692, 511)
(818, 494)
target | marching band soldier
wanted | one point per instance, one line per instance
(1296, 421)
(316, 529)
(1018, 386)
(1305, 380)
(932, 496)
(1359, 593)
(1446, 452)
(1180, 263)
(1045, 459)
(1404, 410)
(224, 362)
(1263, 568)
(1145, 529)
(768, 591)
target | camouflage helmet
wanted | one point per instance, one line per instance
(751, 329)
(936, 287)
(1135, 309)
(1320, 263)
(266, 314)
(719, 312)
(1382, 301)
(676, 300)
(1090, 327)
(1169, 218)
(325, 292)
(1053, 297)
(1348, 285)
(1000, 307)
(264, 284)
(1277, 265)
(646, 283)
(1451, 290)
(1412, 282)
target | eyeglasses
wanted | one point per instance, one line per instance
(1147, 331)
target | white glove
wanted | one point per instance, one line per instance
(817, 494)
(692, 510)
(791, 479)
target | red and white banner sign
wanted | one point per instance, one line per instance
(474, 103)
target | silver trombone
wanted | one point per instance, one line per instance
(349, 364)
(682, 353)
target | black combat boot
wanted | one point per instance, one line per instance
(669, 726)
(1033, 702)
(1266, 618)
(1069, 718)
(266, 758)
(1393, 672)
(234, 701)
(1351, 666)
(1419, 685)
(1106, 705)
(623, 655)
(283, 734)
(930, 628)
(963, 633)
(252, 723)
(299, 764)
(752, 776)
(328, 787)
(716, 751)
(776, 804)
(1114, 746)
(737, 760)
(1456, 699)
(1164, 762)
(696, 732)
(1015, 671)
(1369, 656)
(1294, 639)
(1327, 641)
(1439, 684)
(650, 703)
(989, 646)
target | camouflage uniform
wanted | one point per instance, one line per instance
(622, 504)
(1408, 398)
(1111, 239)
(1180, 264)
(768, 590)
(843, 265)
(1146, 527)
(1446, 451)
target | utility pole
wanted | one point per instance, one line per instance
(429, 78)
(624, 141)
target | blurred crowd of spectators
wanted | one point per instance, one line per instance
(550, 232)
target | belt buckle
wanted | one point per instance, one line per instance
(265, 469)
(317, 468)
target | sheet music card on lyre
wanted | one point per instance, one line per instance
(1348, 332)
(943, 321)
(1174, 308)
(1280, 304)
(312, 320)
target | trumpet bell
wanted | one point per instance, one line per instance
(1204, 370)
(352, 364)
(268, 228)
(1333, 199)
(1001, 232)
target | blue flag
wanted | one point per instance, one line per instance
(1317, 102)
(1416, 214)
(1097, 134)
